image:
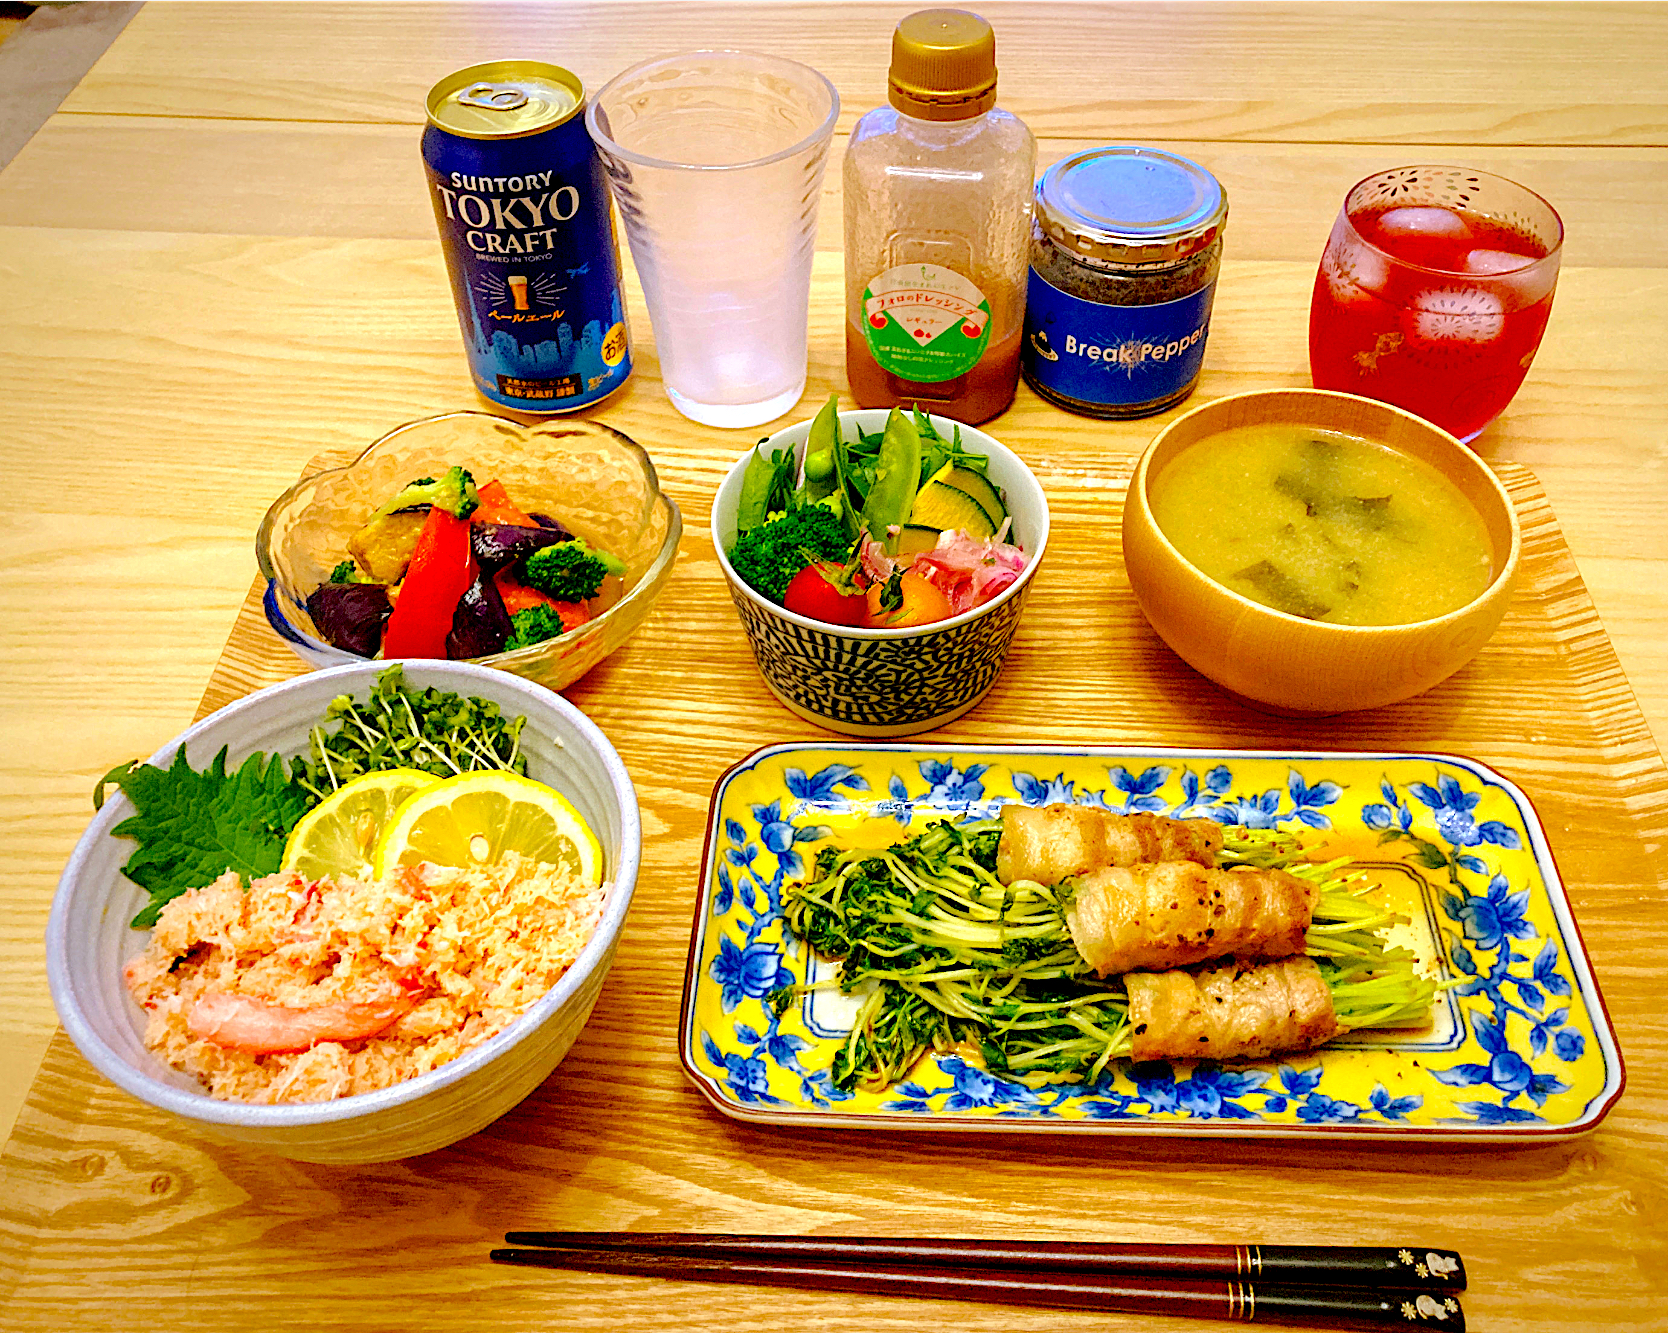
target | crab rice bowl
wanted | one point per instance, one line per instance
(89, 943)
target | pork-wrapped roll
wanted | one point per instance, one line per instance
(1245, 1010)
(1047, 843)
(1175, 914)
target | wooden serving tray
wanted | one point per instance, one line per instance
(108, 1208)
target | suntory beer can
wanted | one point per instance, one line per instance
(522, 204)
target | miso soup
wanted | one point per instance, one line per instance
(1324, 525)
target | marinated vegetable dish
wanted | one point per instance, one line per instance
(447, 569)
(884, 531)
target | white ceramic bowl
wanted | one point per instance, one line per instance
(88, 939)
(886, 682)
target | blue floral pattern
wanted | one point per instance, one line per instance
(1523, 1040)
(1511, 985)
(1208, 1092)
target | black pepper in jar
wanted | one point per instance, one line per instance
(1125, 246)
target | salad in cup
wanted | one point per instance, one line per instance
(901, 527)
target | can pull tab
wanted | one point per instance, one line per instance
(493, 96)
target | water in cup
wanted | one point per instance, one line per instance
(716, 162)
(721, 296)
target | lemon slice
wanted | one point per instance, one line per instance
(472, 820)
(338, 835)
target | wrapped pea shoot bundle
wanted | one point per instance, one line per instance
(1057, 939)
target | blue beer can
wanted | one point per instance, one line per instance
(525, 225)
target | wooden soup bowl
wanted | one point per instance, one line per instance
(1284, 663)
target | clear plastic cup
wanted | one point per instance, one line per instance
(716, 159)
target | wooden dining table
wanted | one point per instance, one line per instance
(219, 268)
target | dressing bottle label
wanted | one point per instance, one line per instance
(925, 323)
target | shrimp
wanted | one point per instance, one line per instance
(244, 1023)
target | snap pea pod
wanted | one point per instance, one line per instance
(821, 464)
(767, 485)
(897, 476)
(845, 486)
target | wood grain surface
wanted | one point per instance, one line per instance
(104, 1200)
(48, 49)
(216, 261)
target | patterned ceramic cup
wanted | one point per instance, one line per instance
(886, 682)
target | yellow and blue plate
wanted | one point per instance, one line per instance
(1519, 1047)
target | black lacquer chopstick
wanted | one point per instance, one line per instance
(1420, 1267)
(1245, 1302)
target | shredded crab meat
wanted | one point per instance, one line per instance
(297, 990)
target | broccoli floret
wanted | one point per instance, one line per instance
(454, 491)
(346, 572)
(1022, 950)
(569, 571)
(767, 557)
(533, 625)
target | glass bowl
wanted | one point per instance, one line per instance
(592, 478)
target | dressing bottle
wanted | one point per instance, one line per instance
(937, 229)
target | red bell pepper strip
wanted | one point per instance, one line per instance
(440, 572)
(574, 614)
(518, 597)
(497, 507)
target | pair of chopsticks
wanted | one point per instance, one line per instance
(1324, 1286)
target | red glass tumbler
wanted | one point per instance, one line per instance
(1433, 293)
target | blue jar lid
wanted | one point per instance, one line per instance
(1128, 205)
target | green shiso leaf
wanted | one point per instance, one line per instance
(192, 827)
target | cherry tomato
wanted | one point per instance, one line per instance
(819, 592)
(922, 604)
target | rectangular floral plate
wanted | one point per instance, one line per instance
(1518, 1049)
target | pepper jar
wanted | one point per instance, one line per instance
(1125, 247)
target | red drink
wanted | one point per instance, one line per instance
(1429, 298)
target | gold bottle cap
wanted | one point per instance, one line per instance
(943, 65)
